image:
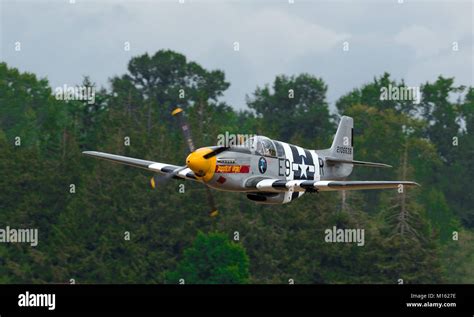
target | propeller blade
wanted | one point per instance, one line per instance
(212, 204)
(184, 127)
(162, 180)
(216, 151)
(178, 112)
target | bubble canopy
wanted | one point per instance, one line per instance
(261, 145)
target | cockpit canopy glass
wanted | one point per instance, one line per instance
(265, 146)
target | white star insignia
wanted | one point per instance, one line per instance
(304, 168)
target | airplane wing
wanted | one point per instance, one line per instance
(144, 164)
(274, 185)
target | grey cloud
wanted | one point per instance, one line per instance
(65, 41)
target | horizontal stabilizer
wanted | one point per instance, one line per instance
(334, 160)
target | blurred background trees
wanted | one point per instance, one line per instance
(113, 228)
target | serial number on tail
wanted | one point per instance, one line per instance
(343, 150)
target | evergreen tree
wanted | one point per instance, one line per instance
(212, 259)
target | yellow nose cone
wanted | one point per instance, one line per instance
(202, 168)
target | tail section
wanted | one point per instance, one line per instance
(338, 160)
(343, 144)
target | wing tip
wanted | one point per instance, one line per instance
(88, 152)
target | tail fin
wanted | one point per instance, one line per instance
(343, 144)
(342, 148)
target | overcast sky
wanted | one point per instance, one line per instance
(64, 41)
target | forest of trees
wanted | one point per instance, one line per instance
(102, 223)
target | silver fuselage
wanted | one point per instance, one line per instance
(241, 167)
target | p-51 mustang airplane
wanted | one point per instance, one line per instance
(268, 171)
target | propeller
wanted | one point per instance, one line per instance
(184, 127)
(162, 180)
(199, 161)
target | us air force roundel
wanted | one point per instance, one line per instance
(262, 165)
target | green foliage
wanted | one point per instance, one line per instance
(295, 101)
(370, 95)
(212, 259)
(459, 258)
(83, 234)
(442, 218)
